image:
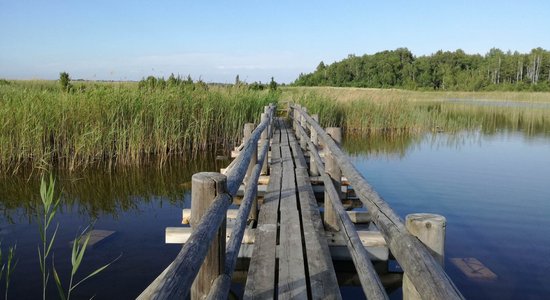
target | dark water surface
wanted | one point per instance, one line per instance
(494, 191)
(137, 204)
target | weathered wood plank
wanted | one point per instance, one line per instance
(322, 277)
(292, 277)
(261, 273)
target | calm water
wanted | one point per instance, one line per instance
(494, 191)
(136, 204)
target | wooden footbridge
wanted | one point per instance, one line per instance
(279, 236)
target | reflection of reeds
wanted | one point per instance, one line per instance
(107, 124)
(93, 192)
(395, 114)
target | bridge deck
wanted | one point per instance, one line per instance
(291, 258)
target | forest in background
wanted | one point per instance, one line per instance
(443, 70)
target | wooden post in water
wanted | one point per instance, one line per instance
(205, 187)
(248, 128)
(263, 139)
(315, 141)
(335, 173)
(430, 230)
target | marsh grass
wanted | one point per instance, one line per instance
(118, 123)
(392, 112)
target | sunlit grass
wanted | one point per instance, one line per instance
(396, 112)
(117, 123)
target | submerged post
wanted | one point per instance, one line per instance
(430, 230)
(313, 171)
(205, 187)
(248, 128)
(335, 173)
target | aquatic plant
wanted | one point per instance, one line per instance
(108, 124)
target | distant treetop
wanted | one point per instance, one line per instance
(443, 70)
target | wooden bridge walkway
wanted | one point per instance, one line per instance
(287, 242)
(291, 258)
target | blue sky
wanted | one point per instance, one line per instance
(216, 40)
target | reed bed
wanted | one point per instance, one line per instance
(392, 113)
(118, 123)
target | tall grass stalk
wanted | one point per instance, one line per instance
(10, 267)
(77, 254)
(50, 205)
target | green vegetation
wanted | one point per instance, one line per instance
(392, 112)
(65, 81)
(443, 70)
(107, 124)
(8, 266)
(50, 207)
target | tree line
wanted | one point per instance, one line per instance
(443, 70)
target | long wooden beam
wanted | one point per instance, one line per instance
(425, 273)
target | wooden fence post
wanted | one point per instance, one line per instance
(248, 128)
(430, 230)
(205, 187)
(264, 139)
(313, 171)
(334, 171)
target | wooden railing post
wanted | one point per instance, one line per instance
(263, 139)
(313, 171)
(334, 171)
(205, 187)
(430, 230)
(248, 128)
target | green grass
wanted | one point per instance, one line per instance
(107, 124)
(396, 112)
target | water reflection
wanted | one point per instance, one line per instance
(94, 192)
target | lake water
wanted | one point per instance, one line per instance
(137, 204)
(494, 191)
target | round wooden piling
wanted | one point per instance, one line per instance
(205, 187)
(248, 128)
(313, 171)
(263, 139)
(430, 230)
(335, 173)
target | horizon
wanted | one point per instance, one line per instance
(127, 41)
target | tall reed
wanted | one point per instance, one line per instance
(397, 115)
(108, 124)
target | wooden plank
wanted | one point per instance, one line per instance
(473, 268)
(261, 273)
(180, 235)
(97, 237)
(322, 277)
(292, 277)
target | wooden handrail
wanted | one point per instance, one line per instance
(425, 273)
(370, 282)
(176, 280)
(222, 284)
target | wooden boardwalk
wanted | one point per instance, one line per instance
(291, 258)
(287, 247)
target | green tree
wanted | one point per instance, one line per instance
(65, 81)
